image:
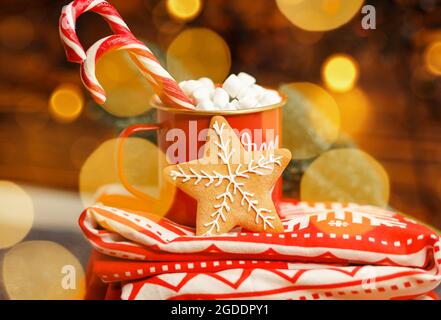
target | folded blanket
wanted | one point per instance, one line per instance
(328, 251)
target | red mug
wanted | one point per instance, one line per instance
(182, 134)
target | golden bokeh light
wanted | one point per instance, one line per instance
(319, 15)
(311, 120)
(355, 110)
(42, 270)
(432, 58)
(66, 103)
(128, 92)
(166, 26)
(346, 175)
(99, 180)
(16, 214)
(184, 9)
(340, 72)
(199, 52)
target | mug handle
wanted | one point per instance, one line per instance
(126, 133)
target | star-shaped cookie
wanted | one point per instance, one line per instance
(232, 186)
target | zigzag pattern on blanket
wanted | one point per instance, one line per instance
(396, 257)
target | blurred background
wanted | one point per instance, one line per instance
(364, 110)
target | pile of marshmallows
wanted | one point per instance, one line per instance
(236, 93)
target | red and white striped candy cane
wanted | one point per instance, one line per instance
(69, 15)
(162, 82)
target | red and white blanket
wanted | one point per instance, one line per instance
(328, 251)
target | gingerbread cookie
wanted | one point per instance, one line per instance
(231, 185)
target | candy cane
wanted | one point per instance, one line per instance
(69, 14)
(163, 83)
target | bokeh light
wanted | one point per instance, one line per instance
(16, 214)
(340, 72)
(16, 32)
(311, 120)
(99, 180)
(36, 270)
(166, 26)
(346, 175)
(355, 110)
(432, 58)
(66, 103)
(128, 92)
(319, 15)
(199, 52)
(184, 9)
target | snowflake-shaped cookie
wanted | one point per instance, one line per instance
(231, 185)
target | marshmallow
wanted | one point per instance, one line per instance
(201, 93)
(232, 85)
(245, 91)
(246, 79)
(205, 104)
(207, 83)
(241, 89)
(248, 102)
(220, 98)
(233, 104)
(258, 91)
(270, 97)
(190, 86)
